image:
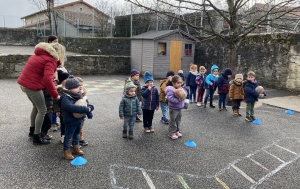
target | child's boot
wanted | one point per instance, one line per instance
(220, 109)
(238, 112)
(31, 132)
(68, 155)
(78, 151)
(38, 139)
(211, 105)
(124, 134)
(235, 113)
(205, 102)
(224, 108)
(130, 135)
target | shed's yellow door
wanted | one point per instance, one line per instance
(175, 55)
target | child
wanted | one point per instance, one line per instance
(47, 119)
(191, 82)
(200, 81)
(175, 106)
(162, 97)
(72, 124)
(134, 77)
(211, 85)
(180, 73)
(223, 88)
(251, 96)
(236, 94)
(128, 109)
(61, 79)
(150, 101)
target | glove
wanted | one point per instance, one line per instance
(91, 107)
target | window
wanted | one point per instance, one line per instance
(161, 49)
(188, 49)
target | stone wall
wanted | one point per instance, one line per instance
(11, 66)
(12, 36)
(274, 58)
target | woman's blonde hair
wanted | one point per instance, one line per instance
(61, 50)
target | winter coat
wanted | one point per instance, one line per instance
(223, 84)
(250, 94)
(173, 102)
(68, 107)
(162, 86)
(211, 80)
(129, 106)
(39, 69)
(236, 90)
(150, 98)
(200, 81)
(138, 87)
(191, 79)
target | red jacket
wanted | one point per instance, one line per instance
(39, 69)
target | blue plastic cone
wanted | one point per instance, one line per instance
(78, 161)
(190, 143)
(290, 112)
(256, 122)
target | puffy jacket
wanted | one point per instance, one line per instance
(150, 98)
(250, 94)
(191, 79)
(39, 69)
(173, 102)
(236, 90)
(211, 80)
(162, 86)
(129, 106)
(223, 84)
(200, 81)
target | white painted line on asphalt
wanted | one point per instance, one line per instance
(182, 181)
(286, 149)
(148, 179)
(274, 156)
(243, 174)
(257, 163)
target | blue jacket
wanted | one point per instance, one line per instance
(223, 84)
(200, 80)
(129, 106)
(250, 94)
(150, 98)
(68, 107)
(210, 79)
(191, 80)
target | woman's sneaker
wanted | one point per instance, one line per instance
(178, 134)
(173, 136)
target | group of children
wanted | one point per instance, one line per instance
(196, 82)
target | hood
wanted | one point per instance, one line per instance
(213, 67)
(48, 48)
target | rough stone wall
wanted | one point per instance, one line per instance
(11, 66)
(11, 36)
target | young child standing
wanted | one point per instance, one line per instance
(211, 85)
(72, 124)
(223, 88)
(128, 109)
(150, 101)
(191, 82)
(162, 97)
(251, 96)
(134, 77)
(236, 93)
(200, 81)
(175, 106)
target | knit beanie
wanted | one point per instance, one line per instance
(129, 85)
(170, 73)
(239, 76)
(134, 72)
(227, 71)
(62, 75)
(148, 77)
(180, 71)
(72, 83)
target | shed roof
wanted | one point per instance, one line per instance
(154, 35)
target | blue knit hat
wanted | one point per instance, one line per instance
(148, 77)
(134, 72)
(227, 71)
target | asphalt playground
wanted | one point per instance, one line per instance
(230, 152)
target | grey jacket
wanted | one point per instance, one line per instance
(129, 106)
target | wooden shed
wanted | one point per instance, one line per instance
(161, 51)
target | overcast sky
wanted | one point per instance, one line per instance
(12, 10)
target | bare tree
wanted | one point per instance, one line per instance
(237, 18)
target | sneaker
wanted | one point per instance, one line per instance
(173, 136)
(199, 104)
(225, 109)
(167, 121)
(220, 109)
(212, 106)
(46, 136)
(147, 130)
(151, 129)
(62, 139)
(252, 117)
(248, 119)
(138, 120)
(83, 143)
(164, 120)
(54, 127)
(178, 134)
